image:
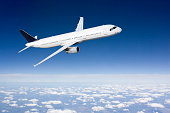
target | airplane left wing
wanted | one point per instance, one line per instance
(58, 51)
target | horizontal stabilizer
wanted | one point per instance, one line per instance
(28, 37)
(23, 49)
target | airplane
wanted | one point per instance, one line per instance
(68, 39)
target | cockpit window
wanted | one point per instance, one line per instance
(112, 28)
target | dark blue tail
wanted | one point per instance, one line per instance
(28, 37)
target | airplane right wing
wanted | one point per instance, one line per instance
(80, 24)
(59, 50)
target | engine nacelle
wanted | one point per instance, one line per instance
(72, 50)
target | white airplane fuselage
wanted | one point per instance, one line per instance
(68, 39)
(77, 36)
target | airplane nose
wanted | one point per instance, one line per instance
(120, 30)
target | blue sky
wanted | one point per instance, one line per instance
(143, 47)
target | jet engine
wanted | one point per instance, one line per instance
(72, 50)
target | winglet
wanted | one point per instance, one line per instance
(80, 24)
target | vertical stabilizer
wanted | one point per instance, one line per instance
(28, 37)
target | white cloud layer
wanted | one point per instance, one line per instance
(167, 101)
(49, 106)
(140, 112)
(143, 100)
(3, 111)
(51, 102)
(97, 108)
(61, 111)
(156, 105)
(104, 98)
(31, 104)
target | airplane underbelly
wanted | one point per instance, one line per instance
(47, 45)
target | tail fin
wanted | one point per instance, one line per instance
(28, 37)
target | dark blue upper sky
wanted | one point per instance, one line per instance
(143, 47)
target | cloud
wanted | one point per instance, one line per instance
(51, 102)
(7, 92)
(24, 99)
(23, 93)
(61, 111)
(156, 105)
(97, 108)
(116, 96)
(9, 98)
(142, 100)
(140, 112)
(100, 95)
(34, 110)
(146, 94)
(66, 104)
(129, 103)
(14, 102)
(85, 98)
(31, 104)
(6, 101)
(34, 100)
(157, 95)
(125, 109)
(21, 106)
(121, 105)
(110, 106)
(167, 101)
(116, 102)
(55, 93)
(13, 105)
(84, 104)
(136, 78)
(143, 94)
(74, 102)
(3, 111)
(31, 111)
(49, 106)
(52, 91)
(104, 101)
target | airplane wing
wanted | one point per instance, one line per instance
(80, 24)
(59, 50)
